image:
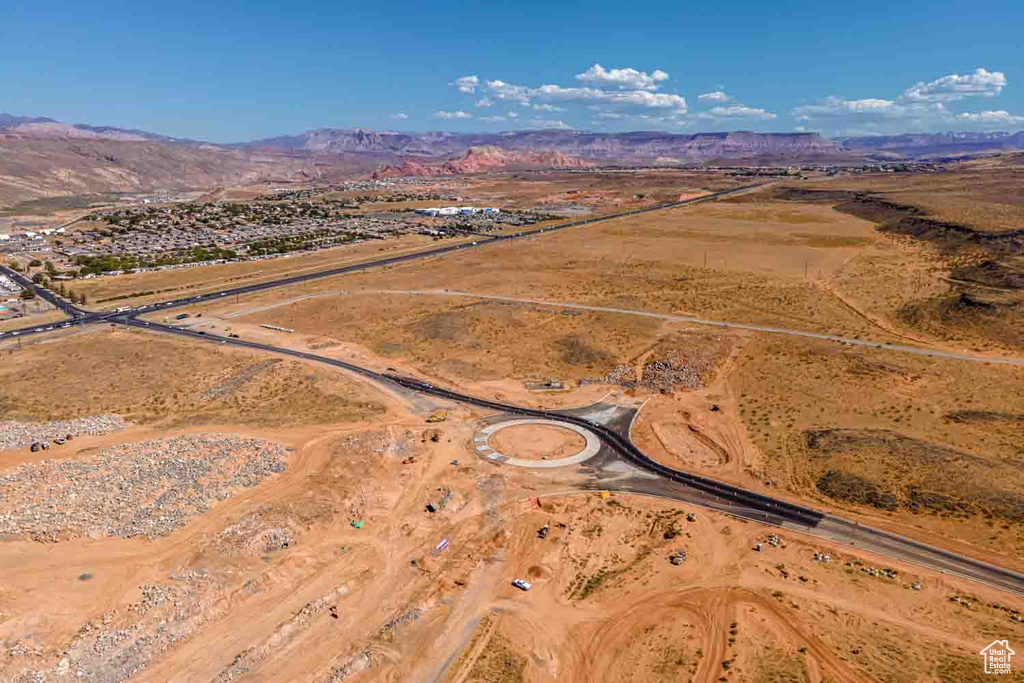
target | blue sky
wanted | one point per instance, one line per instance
(231, 71)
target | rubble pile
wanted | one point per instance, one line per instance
(21, 434)
(257, 534)
(623, 375)
(251, 659)
(678, 371)
(149, 488)
(116, 647)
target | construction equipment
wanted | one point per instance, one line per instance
(439, 416)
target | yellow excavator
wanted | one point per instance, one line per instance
(439, 416)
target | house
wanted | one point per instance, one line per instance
(997, 656)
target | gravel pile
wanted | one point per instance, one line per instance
(120, 645)
(148, 489)
(357, 664)
(257, 534)
(623, 375)
(22, 434)
(667, 375)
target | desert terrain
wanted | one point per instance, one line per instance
(226, 513)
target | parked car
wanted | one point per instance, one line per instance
(35, 447)
(522, 585)
(46, 445)
(59, 441)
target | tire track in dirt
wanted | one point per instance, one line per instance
(713, 609)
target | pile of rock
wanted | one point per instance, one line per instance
(261, 533)
(624, 375)
(118, 646)
(668, 375)
(21, 434)
(148, 489)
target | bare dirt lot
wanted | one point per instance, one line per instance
(533, 442)
(225, 514)
(156, 380)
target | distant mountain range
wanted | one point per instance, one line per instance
(934, 144)
(644, 147)
(638, 147)
(41, 157)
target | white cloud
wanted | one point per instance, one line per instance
(507, 91)
(547, 107)
(624, 98)
(609, 115)
(399, 117)
(513, 115)
(466, 84)
(492, 119)
(981, 83)
(836, 106)
(484, 102)
(548, 123)
(997, 117)
(640, 99)
(920, 107)
(452, 115)
(629, 79)
(716, 96)
(735, 112)
(742, 111)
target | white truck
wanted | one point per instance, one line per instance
(522, 585)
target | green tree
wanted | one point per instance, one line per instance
(50, 268)
(28, 293)
(35, 263)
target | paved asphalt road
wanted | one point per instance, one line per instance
(704, 491)
(673, 483)
(81, 317)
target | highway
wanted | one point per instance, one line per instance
(82, 317)
(693, 488)
(714, 494)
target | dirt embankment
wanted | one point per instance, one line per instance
(904, 219)
(892, 471)
(985, 300)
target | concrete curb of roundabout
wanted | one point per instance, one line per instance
(483, 449)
